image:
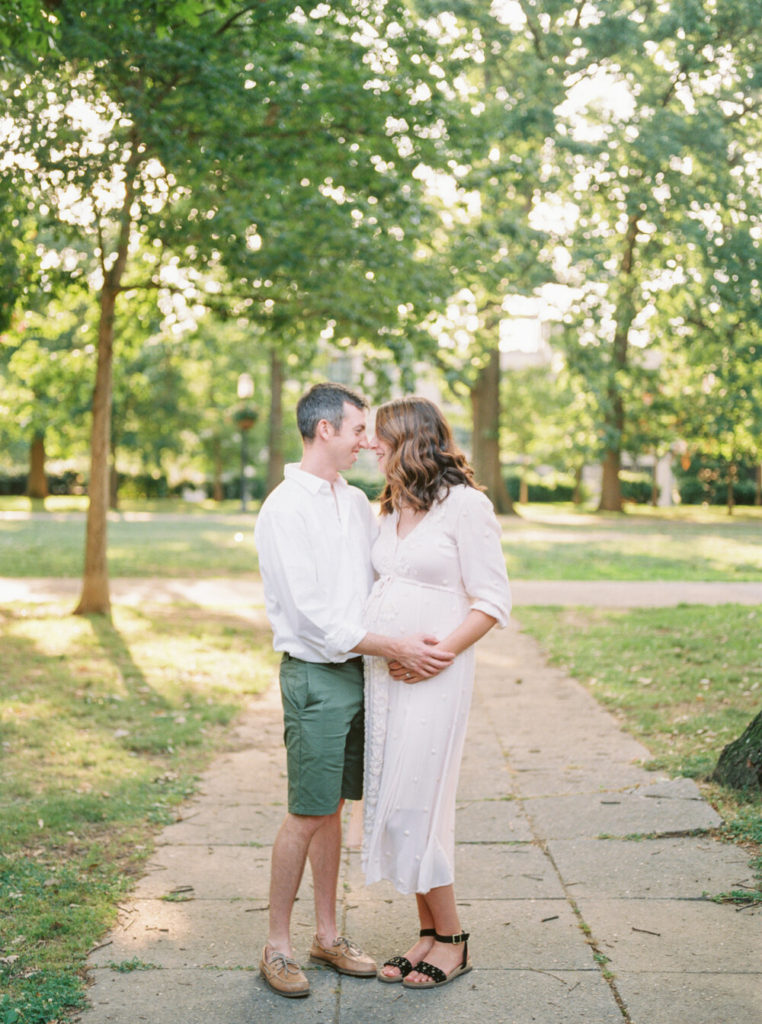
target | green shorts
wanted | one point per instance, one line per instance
(324, 731)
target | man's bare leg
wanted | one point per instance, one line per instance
(287, 867)
(325, 858)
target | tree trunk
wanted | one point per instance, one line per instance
(611, 488)
(217, 490)
(655, 482)
(37, 483)
(113, 480)
(577, 499)
(523, 491)
(95, 598)
(740, 763)
(758, 490)
(485, 412)
(275, 458)
(732, 476)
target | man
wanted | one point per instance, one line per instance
(314, 534)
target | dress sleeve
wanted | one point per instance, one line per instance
(482, 562)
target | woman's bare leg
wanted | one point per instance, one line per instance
(420, 949)
(441, 908)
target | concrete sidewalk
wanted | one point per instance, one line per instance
(581, 877)
(242, 591)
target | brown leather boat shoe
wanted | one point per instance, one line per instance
(283, 974)
(345, 957)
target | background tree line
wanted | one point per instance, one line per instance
(196, 189)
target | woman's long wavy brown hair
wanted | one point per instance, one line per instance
(424, 462)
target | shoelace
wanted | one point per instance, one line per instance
(347, 946)
(283, 963)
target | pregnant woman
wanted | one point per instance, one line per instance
(440, 570)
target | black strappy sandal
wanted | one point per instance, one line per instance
(436, 974)
(402, 963)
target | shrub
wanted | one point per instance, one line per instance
(556, 490)
(705, 481)
(638, 489)
(371, 486)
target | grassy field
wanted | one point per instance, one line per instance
(551, 542)
(140, 543)
(543, 542)
(105, 724)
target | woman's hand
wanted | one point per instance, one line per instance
(471, 629)
(398, 671)
(420, 657)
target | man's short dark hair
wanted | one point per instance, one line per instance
(324, 402)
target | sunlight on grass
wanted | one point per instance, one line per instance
(542, 542)
(558, 545)
(169, 546)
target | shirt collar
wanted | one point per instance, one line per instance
(309, 481)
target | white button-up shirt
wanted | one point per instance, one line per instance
(314, 542)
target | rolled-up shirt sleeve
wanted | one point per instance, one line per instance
(480, 552)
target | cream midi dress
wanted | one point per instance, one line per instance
(450, 562)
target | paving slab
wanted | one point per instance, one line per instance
(484, 871)
(234, 823)
(691, 936)
(544, 743)
(559, 777)
(631, 812)
(505, 997)
(193, 933)
(207, 871)
(634, 593)
(505, 934)
(685, 868)
(490, 821)
(209, 996)
(505, 871)
(257, 773)
(709, 998)
(242, 593)
(474, 785)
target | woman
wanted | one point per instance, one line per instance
(440, 570)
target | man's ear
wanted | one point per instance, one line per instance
(324, 430)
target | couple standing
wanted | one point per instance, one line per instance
(408, 596)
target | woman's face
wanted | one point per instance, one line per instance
(382, 449)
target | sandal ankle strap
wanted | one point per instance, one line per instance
(425, 932)
(452, 939)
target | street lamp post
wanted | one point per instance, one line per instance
(246, 418)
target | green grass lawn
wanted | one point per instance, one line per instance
(139, 544)
(549, 542)
(553, 542)
(105, 726)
